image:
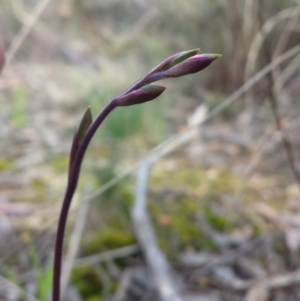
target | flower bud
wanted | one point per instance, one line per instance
(143, 94)
(174, 60)
(84, 125)
(193, 64)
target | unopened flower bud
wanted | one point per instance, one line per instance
(143, 94)
(174, 60)
(84, 125)
(193, 64)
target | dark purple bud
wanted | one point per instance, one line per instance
(191, 65)
(174, 60)
(143, 94)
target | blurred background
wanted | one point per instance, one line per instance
(224, 201)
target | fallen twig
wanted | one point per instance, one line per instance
(275, 282)
(25, 30)
(163, 277)
(107, 256)
(11, 288)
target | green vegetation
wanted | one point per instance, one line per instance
(87, 283)
(19, 114)
(108, 238)
(43, 276)
(177, 226)
(5, 164)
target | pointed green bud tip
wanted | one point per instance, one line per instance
(141, 95)
(84, 125)
(191, 65)
(212, 55)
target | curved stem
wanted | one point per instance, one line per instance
(71, 187)
(74, 175)
(140, 83)
(147, 79)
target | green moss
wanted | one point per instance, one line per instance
(87, 282)
(181, 230)
(86, 279)
(197, 180)
(94, 298)
(191, 178)
(109, 238)
(127, 196)
(190, 234)
(5, 164)
(217, 221)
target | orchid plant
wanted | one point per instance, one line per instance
(183, 63)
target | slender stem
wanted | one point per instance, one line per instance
(71, 187)
(140, 83)
(74, 172)
(149, 78)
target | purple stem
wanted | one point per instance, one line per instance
(74, 175)
(71, 187)
(147, 79)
